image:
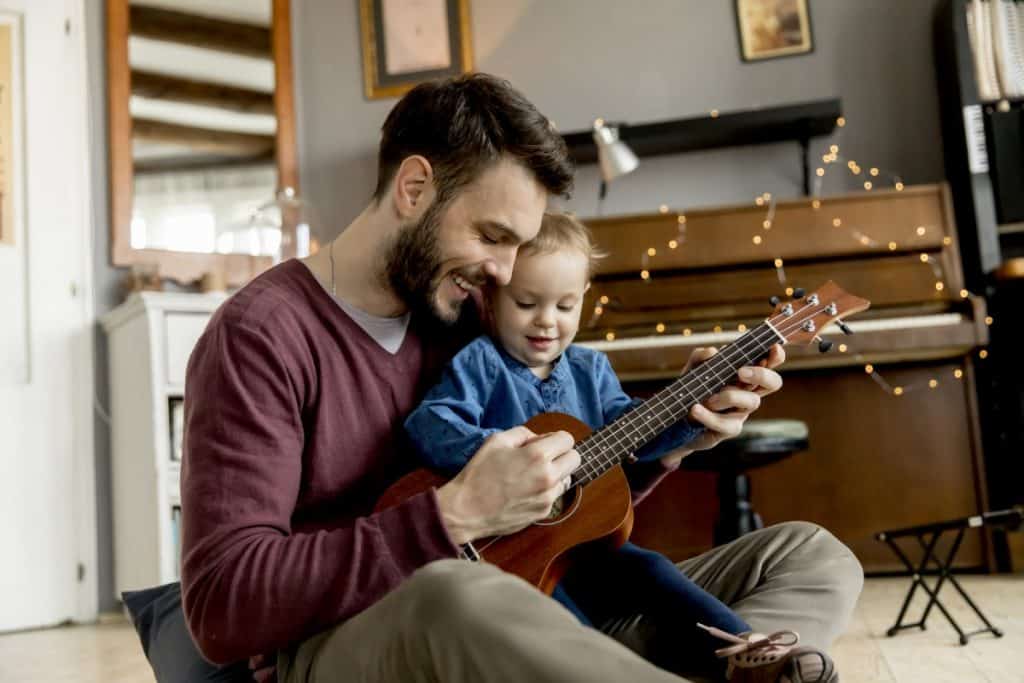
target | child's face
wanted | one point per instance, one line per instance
(537, 314)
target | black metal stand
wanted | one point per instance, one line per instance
(927, 536)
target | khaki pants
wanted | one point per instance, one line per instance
(455, 621)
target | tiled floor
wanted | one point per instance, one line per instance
(110, 653)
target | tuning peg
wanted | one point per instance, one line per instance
(844, 327)
(824, 345)
(798, 293)
(774, 301)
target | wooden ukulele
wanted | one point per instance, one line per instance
(598, 508)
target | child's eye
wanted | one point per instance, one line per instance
(566, 309)
(524, 305)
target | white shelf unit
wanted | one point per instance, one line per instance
(150, 337)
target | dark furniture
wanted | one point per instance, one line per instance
(761, 443)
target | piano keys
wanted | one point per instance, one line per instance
(674, 282)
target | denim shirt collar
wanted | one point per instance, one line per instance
(560, 373)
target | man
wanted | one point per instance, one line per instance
(296, 394)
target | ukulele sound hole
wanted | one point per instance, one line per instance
(564, 504)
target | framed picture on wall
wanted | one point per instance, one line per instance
(406, 42)
(773, 28)
(10, 108)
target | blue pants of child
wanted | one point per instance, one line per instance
(634, 580)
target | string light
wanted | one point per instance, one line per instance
(610, 336)
(663, 208)
(660, 327)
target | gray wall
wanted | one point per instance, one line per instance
(637, 61)
(641, 61)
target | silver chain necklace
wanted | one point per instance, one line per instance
(330, 252)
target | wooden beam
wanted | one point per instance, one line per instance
(199, 162)
(186, 91)
(208, 140)
(199, 31)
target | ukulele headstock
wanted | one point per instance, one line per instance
(800, 321)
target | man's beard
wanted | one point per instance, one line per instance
(413, 268)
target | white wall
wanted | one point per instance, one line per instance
(638, 62)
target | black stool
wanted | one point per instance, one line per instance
(927, 536)
(761, 443)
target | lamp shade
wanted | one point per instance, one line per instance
(614, 156)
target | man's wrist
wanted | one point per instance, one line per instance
(457, 526)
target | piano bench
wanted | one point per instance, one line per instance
(761, 443)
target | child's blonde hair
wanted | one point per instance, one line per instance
(560, 230)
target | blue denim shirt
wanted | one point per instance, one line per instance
(485, 390)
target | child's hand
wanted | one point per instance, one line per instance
(724, 413)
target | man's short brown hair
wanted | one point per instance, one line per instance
(561, 231)
(462, 126)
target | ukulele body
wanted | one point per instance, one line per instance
(599, 513)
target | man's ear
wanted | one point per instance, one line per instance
(414, 187)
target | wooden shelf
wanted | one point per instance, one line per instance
(789, 123)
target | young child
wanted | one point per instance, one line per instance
(529, 366)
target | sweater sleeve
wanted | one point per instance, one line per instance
(446, 428)
(249, 583)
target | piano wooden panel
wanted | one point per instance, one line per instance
(876, 461)
(722, 237)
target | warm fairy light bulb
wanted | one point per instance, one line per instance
(644, 274)
(873, 171)
(672, 244)
(767, 224)
(759, 201)
(983, 354)
(652, 251)
(897, 391)
(789, 291)
(834, 149)
(598, 310)
(865, 240)
(964, 293)
(741, 327)
(958, 373)
(988, 320)
(924, 258)
(946, 241)
(892, 246)
(841, 121)
(660, 327)
(939, 286)
(604, 299)
(869, 368)
(820, 171)
(663, 208)
(920, 230)
(932, 383)
(851, 164)
(842, 348)
(836, 222)
(867, 185)
(610, 336)
(687, 332)
(757, 239)
(899, 186)
(816, 204)
(681, 219)
(778, 263)
(714, 113)
(718, 328)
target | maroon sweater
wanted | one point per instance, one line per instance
(293, 430)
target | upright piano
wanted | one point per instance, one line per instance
(892, 410)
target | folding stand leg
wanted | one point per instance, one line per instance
(945, 572)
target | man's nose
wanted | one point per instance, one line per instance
(500, 267)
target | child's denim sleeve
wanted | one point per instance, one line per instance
(445, 428)
(615, 402)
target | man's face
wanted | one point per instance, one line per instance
(446, 256)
